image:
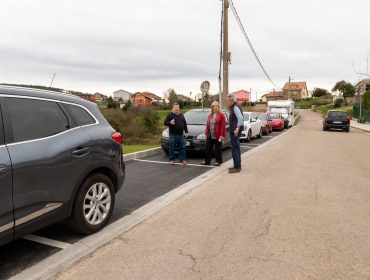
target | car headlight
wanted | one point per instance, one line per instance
(201, 137)
(165, 133)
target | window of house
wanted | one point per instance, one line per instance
(34, 119)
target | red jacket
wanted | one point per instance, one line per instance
(220, 125)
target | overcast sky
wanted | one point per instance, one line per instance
(147, 45)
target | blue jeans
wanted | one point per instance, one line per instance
(235, 150)
(180, 141)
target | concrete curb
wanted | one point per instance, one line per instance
(141, 154)
(60, 261)
(360, 128)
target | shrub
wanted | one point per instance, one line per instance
(338, 103)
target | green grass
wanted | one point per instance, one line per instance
(325, 108)
(128, 149)
(163, 114)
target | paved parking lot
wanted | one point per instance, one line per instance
(147, 179)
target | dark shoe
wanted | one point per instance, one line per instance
(231, 168)
(217, 164)
(172, 162)
(234, 170)
(184, 162)
(204, 163)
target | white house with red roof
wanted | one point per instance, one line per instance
(242, 96)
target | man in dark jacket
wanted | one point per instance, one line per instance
(178, 131)
(236, 124)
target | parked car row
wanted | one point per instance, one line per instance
(59, 159)
(255, 125)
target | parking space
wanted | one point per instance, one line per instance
(147, 179)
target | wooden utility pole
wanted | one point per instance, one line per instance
(225, 56)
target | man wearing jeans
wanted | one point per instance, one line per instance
(236, 122)
(178, 131)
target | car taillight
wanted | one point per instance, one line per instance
(326, 117)
(117, 137)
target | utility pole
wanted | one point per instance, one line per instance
(289, 89)
(225, 57)
(52, 81)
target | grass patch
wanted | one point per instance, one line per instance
(128, 149)
(325, 108)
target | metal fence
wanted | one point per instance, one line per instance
(365, 114)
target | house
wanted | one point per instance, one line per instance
(122, 95)
(362, 86)
(87, 96)
(184, 98)
(295, 90)
(145, 98)
(272, 96)
(100, 97)
(242, 96)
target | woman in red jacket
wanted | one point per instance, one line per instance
(215, 133)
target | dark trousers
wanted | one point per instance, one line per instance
(217, 145)
(235, 150)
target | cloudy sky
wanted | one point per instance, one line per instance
(146, 45)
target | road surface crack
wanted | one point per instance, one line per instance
(193, 259)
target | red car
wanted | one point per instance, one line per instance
(277, 120)
(266, 123)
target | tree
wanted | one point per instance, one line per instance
(172, 97)
(320, 92)
(366, 100)
(347, 89)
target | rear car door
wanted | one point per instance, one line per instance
(49, 158)
(6, 200)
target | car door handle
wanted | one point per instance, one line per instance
(3, 169)
(81, 151)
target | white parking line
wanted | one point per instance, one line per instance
(166, 162)
(46, 241)
(247, 146)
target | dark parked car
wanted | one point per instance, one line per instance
(196, 120)
(59, 159)
(336, 119)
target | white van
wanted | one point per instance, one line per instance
(286, 108)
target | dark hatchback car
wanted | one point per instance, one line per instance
(59, 159)
(196, 120)
(336, 119)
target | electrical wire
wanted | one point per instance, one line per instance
(237, 18)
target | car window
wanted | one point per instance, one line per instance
(262, 117)
(274, 116)
(80, 115)
(246, 117)
(33, 119)
(196, 117)
(337, 114)
(1, 129)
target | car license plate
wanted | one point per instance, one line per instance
(337, 122)
(187, 143)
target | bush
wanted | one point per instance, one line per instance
(366, 100)
(338, 103)
(149, 119)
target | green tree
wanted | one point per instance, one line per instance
(172, 97)
(366, 100)
(320, 92)
(347, 89)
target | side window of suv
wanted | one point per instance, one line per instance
(34, 119)
(80, 115)
(1, 129)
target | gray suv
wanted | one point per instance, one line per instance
(59, 159)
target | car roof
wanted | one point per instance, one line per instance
(200, 110)
(40, 93)
(337, 111)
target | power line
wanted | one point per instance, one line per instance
(237, 18)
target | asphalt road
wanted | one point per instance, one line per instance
(147, 178)
(298, 210)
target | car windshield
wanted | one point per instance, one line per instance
(274, 116)
(262, 117)
(196, 117)
(279, 110)
(246, 117)
(337, 114)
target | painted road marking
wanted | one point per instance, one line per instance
(46, 241)
(166, 162)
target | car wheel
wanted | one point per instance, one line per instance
(347, 129)
(249, 137)
(93, 205)
(260, 134)
(324, 128)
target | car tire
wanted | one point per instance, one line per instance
(90, 221)
(347, 129)
(260, 134)
(249, 137)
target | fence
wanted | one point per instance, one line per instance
(365, 114)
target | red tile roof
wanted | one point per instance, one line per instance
(242, 95)
(274, 94)
(295, 85)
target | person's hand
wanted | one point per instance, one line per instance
(186, 135)
(222, 139)
(236, 131)
(172, 122)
